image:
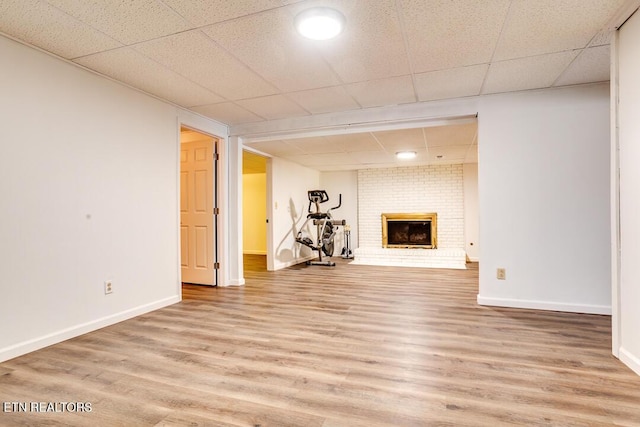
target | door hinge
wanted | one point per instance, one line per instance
(216, 266)
(216, 211)
(216, 156)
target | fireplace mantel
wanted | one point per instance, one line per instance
(409, 230)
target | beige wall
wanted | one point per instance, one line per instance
(254, 213)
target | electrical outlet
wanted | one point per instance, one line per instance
(501, 273)
(108, 287)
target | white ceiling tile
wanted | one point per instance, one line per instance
(302, 142)
(318, 144)
(126, 21)
(454, 83)
(527, 73)
(325, 100)
(273, 107)
(301, 159)
(356, 142)
(228, 113)
(372, 157)
(45, 26)
(379, 93)
(196, 57)
(315, 160)
(184, 92)
(445, 34)
(401, 139)
(206, 12)
(276, 148)
(276, 51)
(602, 38)
(451, 135)
(135, 69)
(544, 26)
(592, 65)
(371, 46)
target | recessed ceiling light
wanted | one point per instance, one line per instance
(320, 23)
(406, 155)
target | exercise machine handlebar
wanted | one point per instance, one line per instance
(339, 202)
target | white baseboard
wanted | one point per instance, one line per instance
(252, 252)
(237, 282)
(401, 257)
(630, 360)
(74, 331)
(294, 262)
(545, 305)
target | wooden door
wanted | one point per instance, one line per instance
(197, 219)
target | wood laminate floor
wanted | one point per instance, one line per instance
(345, 346)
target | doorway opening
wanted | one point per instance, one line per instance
(254, 211)
(199, 211)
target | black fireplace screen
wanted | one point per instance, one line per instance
(409, 233)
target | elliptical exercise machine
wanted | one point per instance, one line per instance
(324, 223)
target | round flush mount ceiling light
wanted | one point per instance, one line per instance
(406, 155)
(319, 23)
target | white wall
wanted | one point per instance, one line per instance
(628, 63)
(254, 213)
(471, 219)
(544, 199)
(288, 210)
(88, 180)
(345, 183)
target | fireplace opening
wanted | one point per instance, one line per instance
(409, 230)
(409, 233)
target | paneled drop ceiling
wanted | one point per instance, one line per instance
(454, 143)
(242, 62)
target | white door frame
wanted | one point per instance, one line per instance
(217, 130)
(615, 203)
(215, 244)
(269, 190)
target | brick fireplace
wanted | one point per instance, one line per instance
(408, 192)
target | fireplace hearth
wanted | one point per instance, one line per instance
(409, 230)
